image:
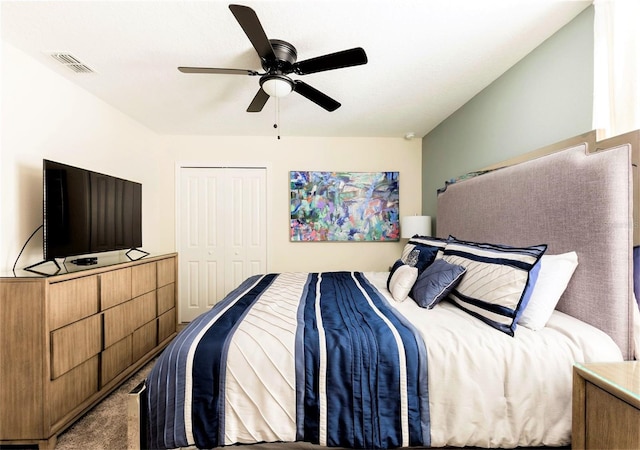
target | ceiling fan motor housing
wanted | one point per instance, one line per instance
(286, 56)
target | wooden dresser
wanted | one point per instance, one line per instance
(68, 340)
(606, 406)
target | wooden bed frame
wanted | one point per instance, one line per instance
(448, 222)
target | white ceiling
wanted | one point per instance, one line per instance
(426, 58)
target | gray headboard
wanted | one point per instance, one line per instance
(569, 200)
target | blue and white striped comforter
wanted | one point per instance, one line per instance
(318, 357)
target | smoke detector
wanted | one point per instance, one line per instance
(409, 135)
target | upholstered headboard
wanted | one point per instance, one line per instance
(569, 200)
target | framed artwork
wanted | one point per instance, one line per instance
(344, 206)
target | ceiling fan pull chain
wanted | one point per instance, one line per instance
(277, 118)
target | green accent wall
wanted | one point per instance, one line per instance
(545, 98)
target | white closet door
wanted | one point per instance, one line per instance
(222, 233)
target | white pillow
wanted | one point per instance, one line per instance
(554, 276)
(402, 281)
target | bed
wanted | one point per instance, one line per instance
(349, 359)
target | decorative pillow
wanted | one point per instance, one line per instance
(421, 251)
(401, 280)
(554, 276)
(435, 283)
(395, 267)
(498, 283)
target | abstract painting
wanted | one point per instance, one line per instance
(344, 206)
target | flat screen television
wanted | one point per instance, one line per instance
(88, 212)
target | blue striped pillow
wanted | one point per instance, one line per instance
(498, 282)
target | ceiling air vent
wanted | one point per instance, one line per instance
(72, 63)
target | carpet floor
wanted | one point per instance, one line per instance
(105, 426)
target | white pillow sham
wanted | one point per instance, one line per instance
(554, 276)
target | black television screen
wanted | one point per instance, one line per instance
(89, 212)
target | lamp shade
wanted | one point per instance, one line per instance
(412, 225)
(276, 85)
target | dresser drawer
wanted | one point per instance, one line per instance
(123, 319)
(143, 279)
(144, 309)
(118, 323)
(115, 359)
(145, 339)
(166, 298)
(166, 271)
(74, 344)
(115, 288)
(166, 325)
(72, 300)
(71, 389)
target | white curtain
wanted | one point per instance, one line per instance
(616, 99)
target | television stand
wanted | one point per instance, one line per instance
(81, 334)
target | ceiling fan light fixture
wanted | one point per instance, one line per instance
(276, 85)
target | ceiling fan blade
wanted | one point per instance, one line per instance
(217, 71)
(315, 96)
(258, 101)
(250, 23)
(346, 58)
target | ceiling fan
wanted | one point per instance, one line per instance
(279, 59)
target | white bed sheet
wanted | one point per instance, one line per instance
(488, 389)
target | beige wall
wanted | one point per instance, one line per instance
(46, 116)
(301, 153)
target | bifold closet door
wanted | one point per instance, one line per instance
(221, 233)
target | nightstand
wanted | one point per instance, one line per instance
(606, 406)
